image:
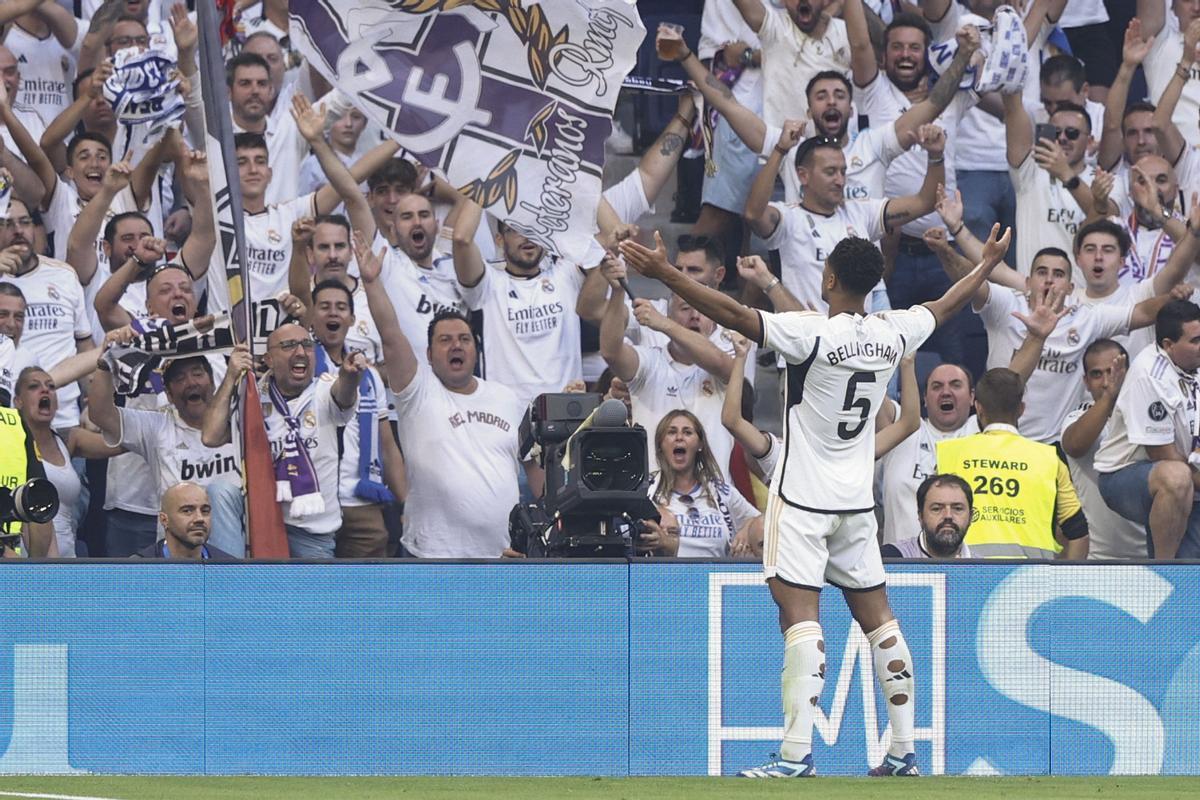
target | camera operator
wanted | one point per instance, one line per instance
(19, 463)
(702, 515)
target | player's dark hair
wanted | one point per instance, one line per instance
(442, 316)
(1063, 67)
(248, 140)
(1099, 346)
(178, 365)
(12, 290)
(110, 227)
(1104, 226)
(828, 75)
(395, 170)
(1134, 108)
(999, 394)
(944, 479)
(262, 35)
(333, 219)
(336, 285)
(908, 19)
(1171, 318)
(79, 79)
(244, 60)
(857, 264)
(1056, 252)
(1075, 108)
(87, 136)
(714, 251)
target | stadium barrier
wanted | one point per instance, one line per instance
(555, 668)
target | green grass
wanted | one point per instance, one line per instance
(262, 788)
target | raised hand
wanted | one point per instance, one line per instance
(117, 176)
(186, 35)
(1193, 220)
(651, 263)
(754, 270)
(102, 73)
(1050, 157)
(195, 166)
(648, 316)
(1114, 378)
(1045, 310)
(354, 364)
(949, 207)
(932, 139)
(1191, 38)
(613, 270)
(149, 250)
(790, 135)
(1102, 186)
(968, 39)
(11, 258)
(240, 361)
(292, 305)
(1136, 47)
(996, 246)
(669, 44)
(309, 121)
(370, 263)
(302, 230)
(936, 239)
(1145, 194)
(741, 346)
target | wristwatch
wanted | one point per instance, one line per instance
(747, 59)
(1072, 184)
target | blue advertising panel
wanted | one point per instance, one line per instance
(580, 668)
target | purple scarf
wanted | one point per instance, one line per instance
(295, 475)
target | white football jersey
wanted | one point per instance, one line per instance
(838, 370)
(418, 294)
(268, 254)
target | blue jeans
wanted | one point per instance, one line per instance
(228, 508)
(1127, 492)
(988, 198)
(128, 532)
(918, 276)
(306, 544)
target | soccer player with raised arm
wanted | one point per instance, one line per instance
(820, 523)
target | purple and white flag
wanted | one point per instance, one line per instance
(510, 99)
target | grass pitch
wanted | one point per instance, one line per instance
(270, 788)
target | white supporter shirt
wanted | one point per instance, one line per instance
(868, 154)
(705, 527)
(174, 450)
(722, 338)
(1126, 296)
(55, 319)
(884, 103)
(132, 484)
(460, 453)
(8, 368)
(31, 119)
(319, 417)
(1156, 406)
(1055, 387)
(720, 24)
(662, 385)
(268, 254)
(838, 370)
(47, 70)
(805, 238)
(1111, 536)
(1159, 66)
(904, 467)
(530, 328)
(363, 336)
(1046, 209)
(790, 58)
(418, 294)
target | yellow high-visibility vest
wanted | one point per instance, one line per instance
(1016, 484)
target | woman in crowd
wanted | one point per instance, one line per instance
(36, 399)
(701, 514)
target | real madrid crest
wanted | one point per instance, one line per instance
(547, 286)
(52, 290)
(274, 236)
(267, 408)
(707, 388)
(1072, 336)
(310, 419)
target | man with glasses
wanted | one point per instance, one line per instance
(302, 415)
(1051, 178)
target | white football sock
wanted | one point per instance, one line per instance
(894, 668)
(803, 679)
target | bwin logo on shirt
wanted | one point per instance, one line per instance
(207, 469)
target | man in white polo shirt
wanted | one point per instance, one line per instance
(1146, 462)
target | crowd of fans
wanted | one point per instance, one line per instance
(402, 333)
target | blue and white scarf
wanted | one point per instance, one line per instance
(370, 486)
